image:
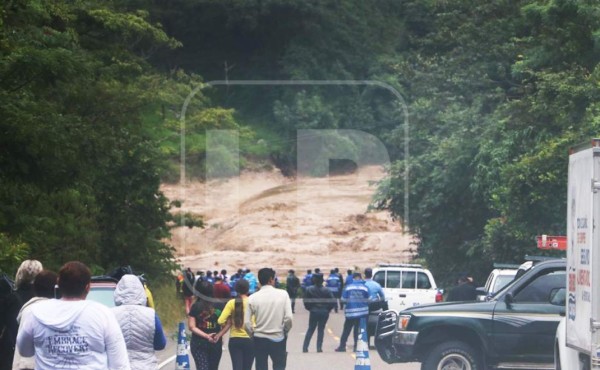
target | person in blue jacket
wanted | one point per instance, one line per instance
(334, 285)
(232, 280)
(307, 281)
(252, 282)
(356, 298)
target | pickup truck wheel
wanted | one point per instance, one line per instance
(452, 356)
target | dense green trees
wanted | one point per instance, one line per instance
(79, 174)
(92, 94)
(498, 92)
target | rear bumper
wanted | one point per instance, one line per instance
(393, 345)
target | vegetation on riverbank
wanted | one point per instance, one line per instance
(92, 97)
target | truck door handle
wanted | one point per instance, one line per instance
(402, 295)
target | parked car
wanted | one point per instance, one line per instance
(102, 290)
(404, 285)
(501, 276)
(515, 329)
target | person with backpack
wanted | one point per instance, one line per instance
(292, 284)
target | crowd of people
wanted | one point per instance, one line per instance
(42, 332)
(258, 316)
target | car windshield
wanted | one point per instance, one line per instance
(502, 281)
(103, 295)
(510, 284)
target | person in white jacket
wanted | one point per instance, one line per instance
(43, 289)
(140, 325)
(72, 333)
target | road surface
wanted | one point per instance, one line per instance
(297, 360)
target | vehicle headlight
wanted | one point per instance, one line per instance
(403, 321)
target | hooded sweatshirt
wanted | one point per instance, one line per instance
(77, 334)
(140, 324)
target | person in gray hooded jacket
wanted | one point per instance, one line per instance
(140, 325)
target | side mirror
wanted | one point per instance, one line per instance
(482, 294)
(509, 299)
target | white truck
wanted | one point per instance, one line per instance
(578, 335)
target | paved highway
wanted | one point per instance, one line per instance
(297, 360)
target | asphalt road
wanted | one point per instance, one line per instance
(297, 360)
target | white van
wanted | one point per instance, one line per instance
(406, 285)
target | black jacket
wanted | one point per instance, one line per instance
(292, 285)
(463, 292)
(318, 298)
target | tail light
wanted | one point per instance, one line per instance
(439, 297)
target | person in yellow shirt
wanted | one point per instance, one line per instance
(241, 347)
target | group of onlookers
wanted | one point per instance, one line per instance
(72, 332)
(257, 323)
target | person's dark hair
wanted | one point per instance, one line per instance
(208, 273)
(336, 270)
(241, 287)
(240, 271)
(317, 270)
(198, 273)
(203, 290)
(357, 275)
(317, 279)
(44, 283)
(291, 272)
(368, 273)
(215, 273)
(349, 272)
(265, 274)
(73, 279)
(223, 272)
(332, 271)
(309, 271)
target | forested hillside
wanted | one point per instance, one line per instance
(92, 92)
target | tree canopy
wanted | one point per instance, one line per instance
(92, 95)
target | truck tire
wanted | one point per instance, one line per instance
(452, 356)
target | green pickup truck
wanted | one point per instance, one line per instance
(514, 329)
